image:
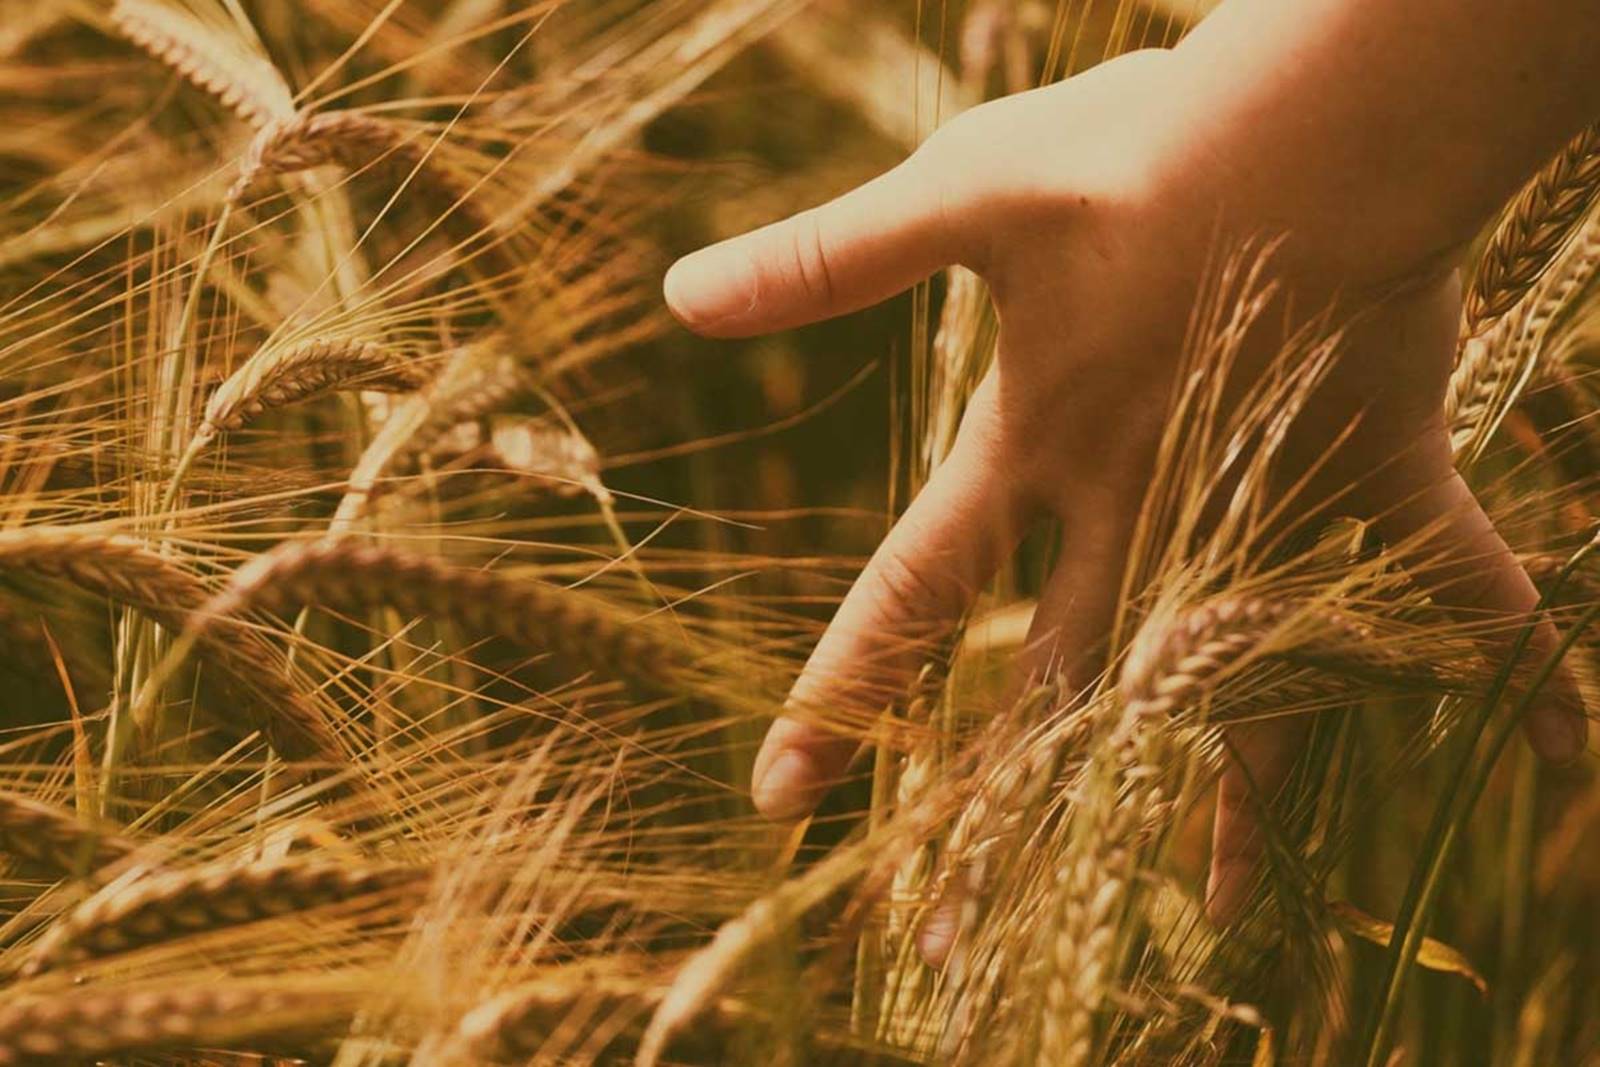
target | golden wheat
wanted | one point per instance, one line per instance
(169, 904)
(124, 569)
(57, 840)
(244, 83)
(88, 1024)
(286, 375)
(1532, 232)
(349, 573)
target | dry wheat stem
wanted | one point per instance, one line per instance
(246, 85)
(350, 574)
(170, 904)
(56, 839)
(1532, 232)
(125, 569)
(86, 1023)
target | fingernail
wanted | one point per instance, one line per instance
(710, 286)
(784, 790)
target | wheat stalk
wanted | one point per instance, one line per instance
(125, 569)
(84, 1024)
(55, 839)
(170, 904)
(351, 574)
(246, 84)
(1532, 232)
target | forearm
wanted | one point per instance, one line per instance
(1382, 133)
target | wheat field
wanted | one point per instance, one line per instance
(392, 596)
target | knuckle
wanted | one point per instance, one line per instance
(910, 595)
(808, 252)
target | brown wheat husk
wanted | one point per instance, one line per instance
(354, 141)
(306, 369)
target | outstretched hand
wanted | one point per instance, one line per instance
(1091, 211)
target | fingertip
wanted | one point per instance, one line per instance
(711, 290)
(788, 786)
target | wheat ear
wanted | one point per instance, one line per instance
(1532, 232)
(518, 1023)
(124, 569)
(289, 374)
(474, 381)
(171, 904)
(75, 1025)
(353, 141)
(1171, 667)
(1495, 367)
(350, 574)
(56, 839)
(245, 84)
(1123, 786)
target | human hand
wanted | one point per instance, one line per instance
(1091, 210)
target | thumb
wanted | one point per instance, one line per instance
(1449, 544)
(916, 587)
(855, 251)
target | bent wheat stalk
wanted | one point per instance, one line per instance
(287, 375)
(171, 904)
(353, 141)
